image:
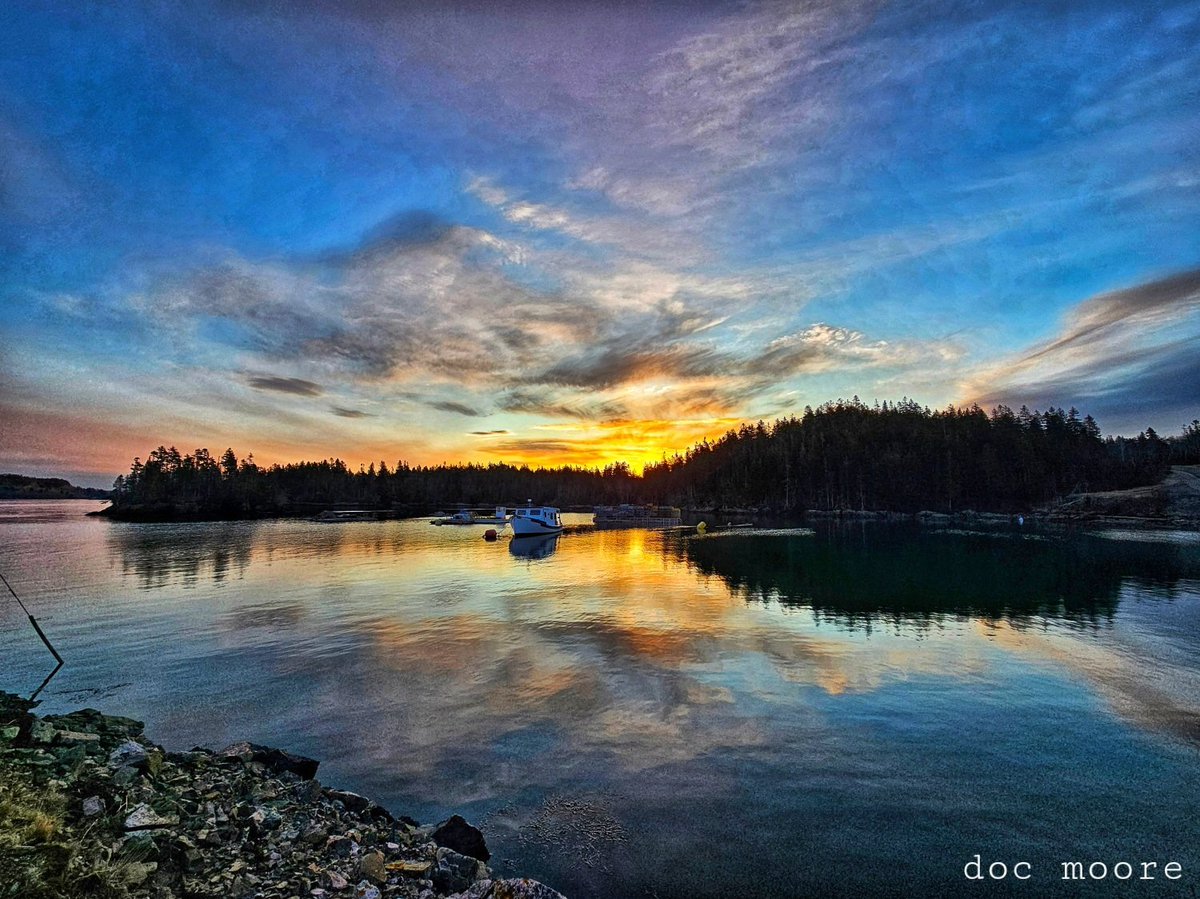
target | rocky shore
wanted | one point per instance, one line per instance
(90, 807)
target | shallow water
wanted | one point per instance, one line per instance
(845, 711)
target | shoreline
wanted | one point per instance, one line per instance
(93, 807)
(1034, 518)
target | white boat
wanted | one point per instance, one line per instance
(530, 521)
(466, 516)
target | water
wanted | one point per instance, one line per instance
(850, 711)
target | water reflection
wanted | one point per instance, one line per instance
(535, 547)
(622, 678)
(860, 574)
(158, 555)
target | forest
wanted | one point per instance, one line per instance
(844, 455)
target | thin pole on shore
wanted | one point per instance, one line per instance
(37, 627)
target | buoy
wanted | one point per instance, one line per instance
(489, 534)
(701, 527)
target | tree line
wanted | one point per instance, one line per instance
(845, 454)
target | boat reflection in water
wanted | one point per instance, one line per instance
(534, 547)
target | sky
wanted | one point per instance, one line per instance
(575, 233)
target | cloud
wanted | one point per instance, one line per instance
(341, 412)
(457, 408)
(1128, 357)
(488, 433)
(294, 386)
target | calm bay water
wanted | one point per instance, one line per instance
(850, 711)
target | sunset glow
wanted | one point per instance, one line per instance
(582, 233)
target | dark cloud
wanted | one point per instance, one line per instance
(1157, 389)
(539, 447)
(294, 386)
(349, 413)
(488, 433)
(1095, 318)
(1129, 358)
(458, 408)
(551, 403)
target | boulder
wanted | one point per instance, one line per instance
(454, 872)
(371, 867)
(455, 833)
(129, 754)
(359, 804)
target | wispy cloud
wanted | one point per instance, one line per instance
(1115, 354)
(456, 408)
(294, 386)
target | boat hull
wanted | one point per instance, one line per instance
(531, 527)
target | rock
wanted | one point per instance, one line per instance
(92, 806)
(136, 873)
(455, 833)
(145, 818)
(41, 732)
(77, 736)
(313, 835)
(125, 775)
(478, 890)
(266, 819)
(275, 759)
(129, 754)
(352, 801)
(522, 888)
(366, 891)
(371, 867)
(140, 846)
(411, 867)
(454, 872)
(335, 880)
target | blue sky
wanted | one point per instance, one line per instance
(583, 232)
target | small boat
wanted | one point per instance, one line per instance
(466, 516)
(334, 515)
(532, 521)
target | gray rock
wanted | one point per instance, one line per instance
(92, 806)
(455, 872)
(521, 888)
(366, 891)
(42, 732)
(129, 754)
(145, 818)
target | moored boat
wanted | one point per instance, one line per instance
(335, 515)
(466, 516)
(532, 521)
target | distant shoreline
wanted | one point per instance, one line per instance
(1054, 517)
(19, 486)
